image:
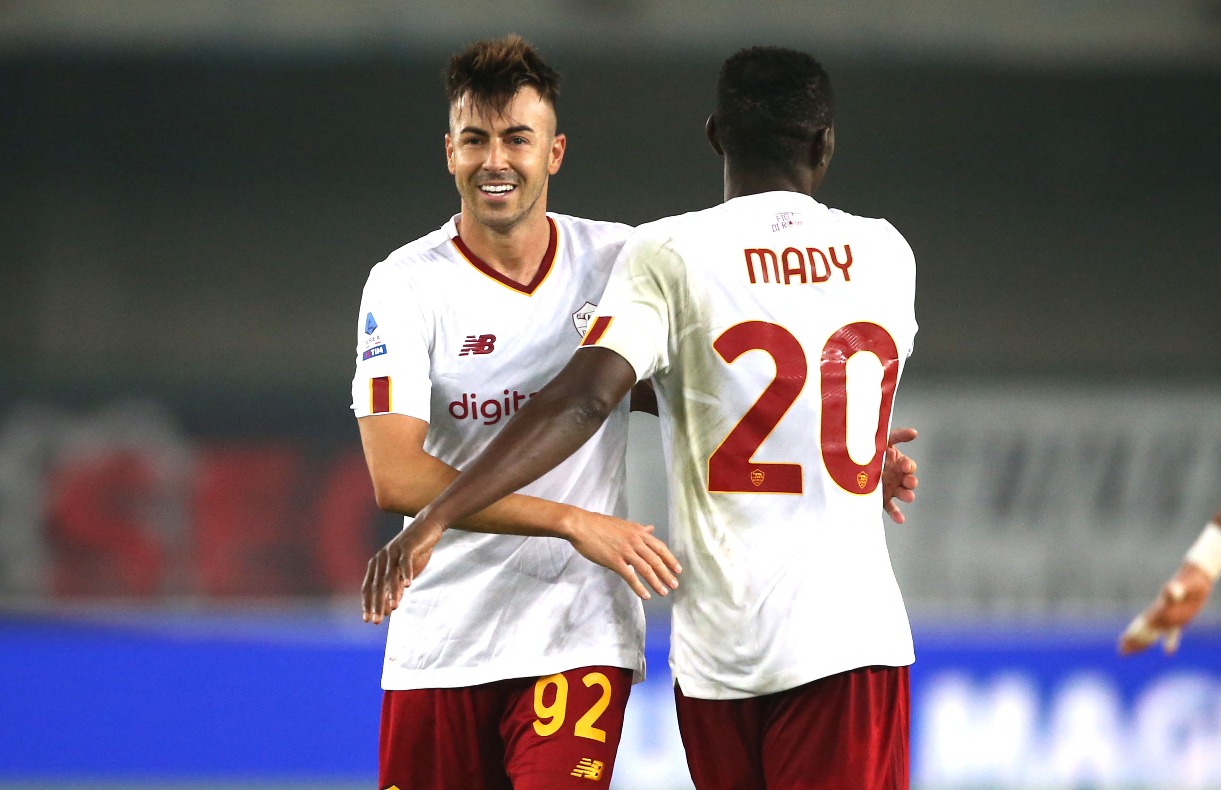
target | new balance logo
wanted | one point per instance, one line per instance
(588, 769)
(478, 344)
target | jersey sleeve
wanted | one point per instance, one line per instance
(392, 360)
(633, 318)
(905, 282)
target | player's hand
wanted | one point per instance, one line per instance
(899, 479)
(627, 548)
(393, 567)
(1179, 600)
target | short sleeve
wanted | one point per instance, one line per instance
(392, 359)
(635, 314)
(905, 283)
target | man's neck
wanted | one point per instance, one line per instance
(516, 252)
(742, 182)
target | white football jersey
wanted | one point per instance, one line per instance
(445, 338)
(775, 330)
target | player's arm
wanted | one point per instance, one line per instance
(1181, 598)
(405, 478)
(551, 426)
(644, 397)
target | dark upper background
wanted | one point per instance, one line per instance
(196, 220)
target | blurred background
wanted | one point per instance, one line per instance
(192, 194)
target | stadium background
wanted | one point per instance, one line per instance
(191, 195)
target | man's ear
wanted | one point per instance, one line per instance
(713, 138)
(823, 147)
(558, 146)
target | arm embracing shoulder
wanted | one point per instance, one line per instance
(406, 478)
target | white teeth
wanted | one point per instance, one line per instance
(496, 189)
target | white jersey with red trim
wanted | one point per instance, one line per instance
(446, 339)
(775, 330)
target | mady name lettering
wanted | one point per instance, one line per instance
(796, 266)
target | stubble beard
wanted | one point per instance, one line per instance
(499, 220)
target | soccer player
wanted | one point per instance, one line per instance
(1181, 598)
(775, 330)
(509, 664)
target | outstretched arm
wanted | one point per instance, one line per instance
(548, 429)
(1181, 598)
(406, 478)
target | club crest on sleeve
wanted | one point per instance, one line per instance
(370, 324)
(580, 319)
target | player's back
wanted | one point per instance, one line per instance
(788, 325)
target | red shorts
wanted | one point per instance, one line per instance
(561, 731)
(844, 732)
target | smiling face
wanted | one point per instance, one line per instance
(501, 162)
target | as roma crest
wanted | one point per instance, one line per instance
(580, 319)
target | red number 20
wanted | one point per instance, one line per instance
(730, 468)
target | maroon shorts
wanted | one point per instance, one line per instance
(561, 731)
(844, 732)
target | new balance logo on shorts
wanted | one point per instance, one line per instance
(588, 769)
(478, 344)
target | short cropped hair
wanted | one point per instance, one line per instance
(492, 71)
(771, 100)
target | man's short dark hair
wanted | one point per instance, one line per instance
(492, 71)
(771, 101)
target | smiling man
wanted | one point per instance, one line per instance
(509, 664)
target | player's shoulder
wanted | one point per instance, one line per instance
(587, 233)
(663, 231)
(428, 247)
(674, 238)
(406, 262)
(878, 227)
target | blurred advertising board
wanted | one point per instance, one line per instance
(291, 696)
